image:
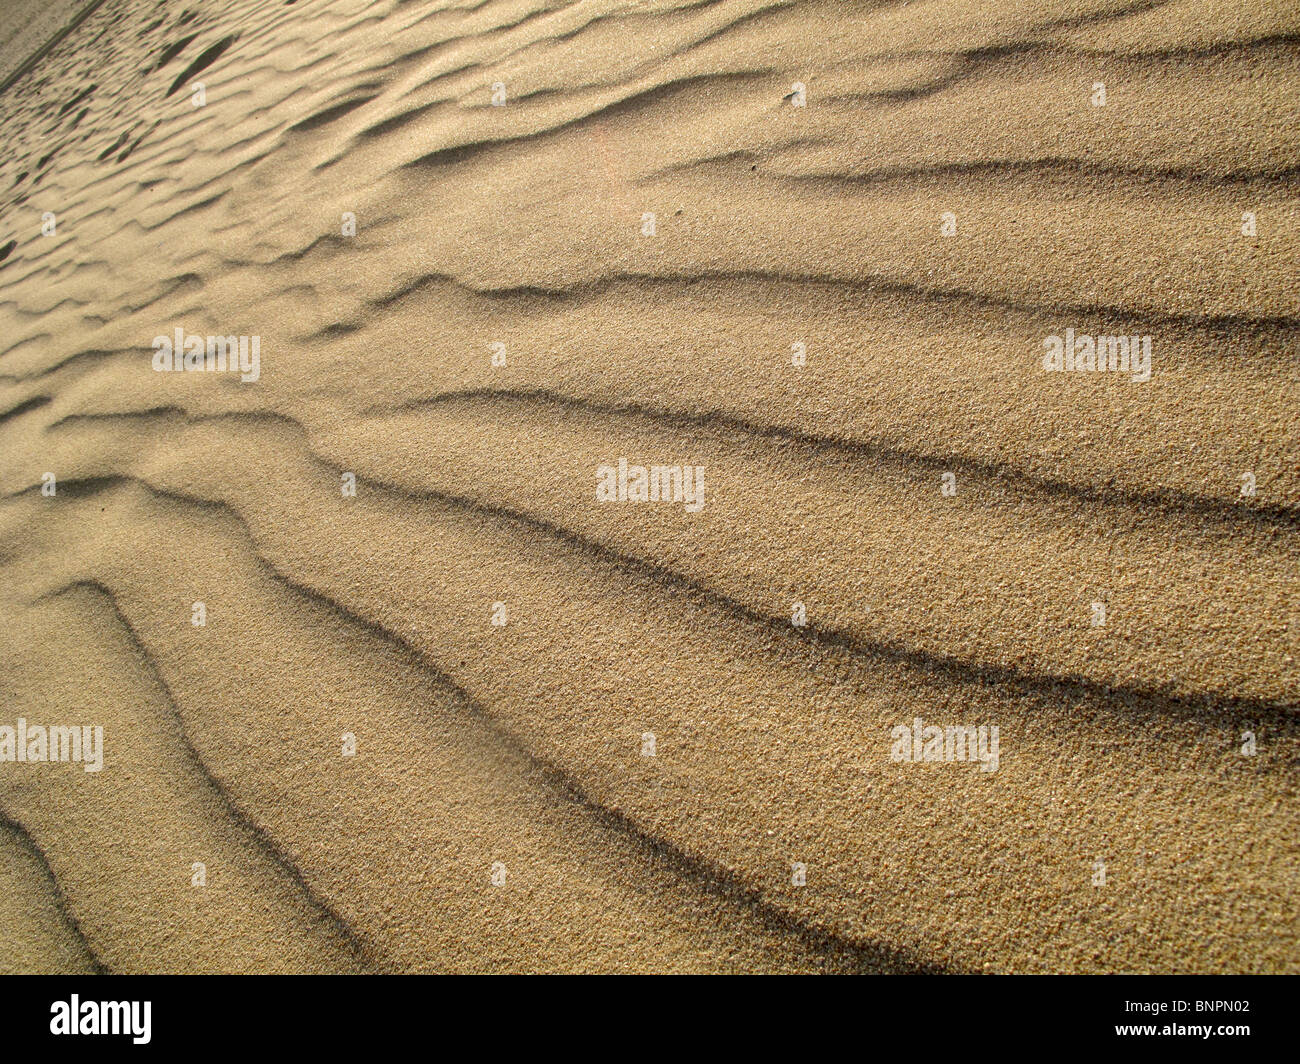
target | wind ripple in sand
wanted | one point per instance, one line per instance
(517, 750)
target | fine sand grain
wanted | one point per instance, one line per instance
(813, 248)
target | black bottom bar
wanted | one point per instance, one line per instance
(338, 1014)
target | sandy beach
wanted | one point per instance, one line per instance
(707, 486)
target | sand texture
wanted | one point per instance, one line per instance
(813, 249)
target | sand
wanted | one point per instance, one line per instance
(679, 751)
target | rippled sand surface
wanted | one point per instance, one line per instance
(651, 765)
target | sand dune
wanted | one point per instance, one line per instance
(654, 764)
